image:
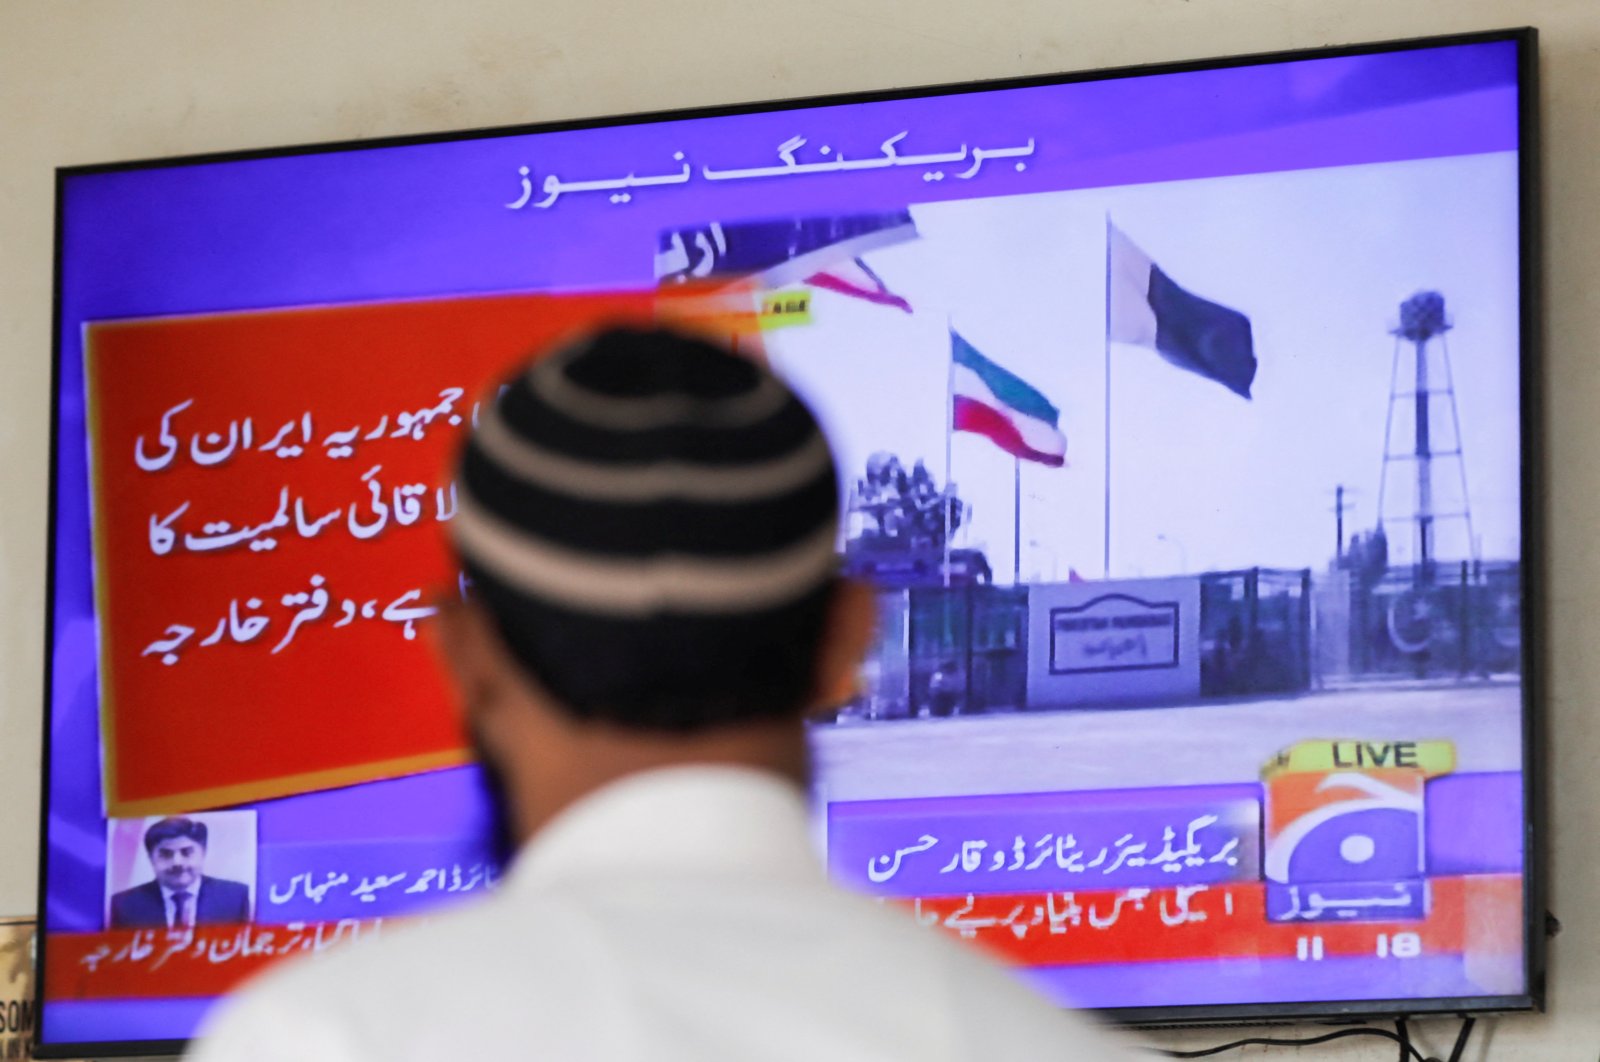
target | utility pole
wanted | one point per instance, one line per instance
(1340, 507)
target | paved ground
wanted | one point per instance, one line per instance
(1188, 745)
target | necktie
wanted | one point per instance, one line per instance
(180, 909)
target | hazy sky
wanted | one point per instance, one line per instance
(1201, 479)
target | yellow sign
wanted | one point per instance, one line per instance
(733, 309)
(1430, 757)
(785, 309)
(18, 1010)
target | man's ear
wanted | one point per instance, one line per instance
(467, 644)
(482, 669)
(852, 623)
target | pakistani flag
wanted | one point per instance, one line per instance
(998, 404)
(1147, 308)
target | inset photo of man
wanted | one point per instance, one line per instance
(179, 871)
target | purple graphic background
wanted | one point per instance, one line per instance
(367, 879)
(1217, 982)
(1474, 824)
(430, 220)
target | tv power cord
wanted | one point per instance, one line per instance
(1401, 1035)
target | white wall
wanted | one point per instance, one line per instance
(90, 81)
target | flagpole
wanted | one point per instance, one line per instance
(949, 420)
(1016, 521)
(1106, 560)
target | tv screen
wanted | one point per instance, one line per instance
(1180, 413)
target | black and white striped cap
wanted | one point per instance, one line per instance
(649, 491)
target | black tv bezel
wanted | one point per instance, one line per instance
(1532, 522)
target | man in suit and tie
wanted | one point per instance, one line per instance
(181, 894)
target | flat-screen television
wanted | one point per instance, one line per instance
(1183, 415)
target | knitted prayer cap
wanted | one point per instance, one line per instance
(653, 524)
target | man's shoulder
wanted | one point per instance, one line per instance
(138, 907)
(999, 1015)
(337, 997)
(224, 886)
(383, 952)
(551, 945)
(147, 890)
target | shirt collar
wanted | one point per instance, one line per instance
(167, 894)
(693, 820)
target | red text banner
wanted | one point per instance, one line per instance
(1217, 922)
(270, 501)
(196, 961)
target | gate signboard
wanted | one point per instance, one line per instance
(1117, 642)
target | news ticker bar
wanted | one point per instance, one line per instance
(1466, 915)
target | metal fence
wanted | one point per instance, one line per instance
(964, 649)
(947, 651)
(1255, 632)
(1458, 620)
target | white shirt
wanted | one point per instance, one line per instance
(678, 914)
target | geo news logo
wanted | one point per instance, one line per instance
(1344, 829)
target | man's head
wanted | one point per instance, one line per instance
(177, 851)
(650, 525)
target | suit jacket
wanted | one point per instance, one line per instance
(143, 906)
